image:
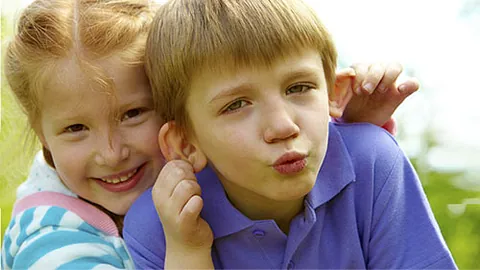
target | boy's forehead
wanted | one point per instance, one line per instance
(283, 63)
(223, 80)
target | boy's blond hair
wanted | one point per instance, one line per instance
(188, 36)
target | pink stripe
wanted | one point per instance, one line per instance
(87, 212)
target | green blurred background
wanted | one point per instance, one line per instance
(456, 206)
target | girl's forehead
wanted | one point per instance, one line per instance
(104, 76)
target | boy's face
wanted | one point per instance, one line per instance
(106, 162)
(264, 129)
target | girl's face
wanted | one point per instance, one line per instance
(104, 146)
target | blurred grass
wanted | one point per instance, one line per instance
(461, 232)
(15, 154)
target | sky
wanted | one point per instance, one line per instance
(434, 42)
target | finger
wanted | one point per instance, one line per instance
(183, 192)
(345, 73)
(409, 87)
(174, 172)
(373, 77)
(361, 71)
(392, 72)
(171, 174)
(190, 213)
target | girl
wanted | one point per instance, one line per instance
(76, 68)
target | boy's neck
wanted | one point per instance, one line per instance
(256, 207)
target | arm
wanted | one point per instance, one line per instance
(182, 240)
(50, 237)
(176, 196)
(404, 233)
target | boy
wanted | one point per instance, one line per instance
(247, 87)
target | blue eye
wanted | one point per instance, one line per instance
(236, 105)
(75, 128)
(299, 88)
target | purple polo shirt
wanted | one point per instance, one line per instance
(366, 210)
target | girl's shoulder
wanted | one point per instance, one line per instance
(49, 230)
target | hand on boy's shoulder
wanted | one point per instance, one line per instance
(176, 196)
(376, 92)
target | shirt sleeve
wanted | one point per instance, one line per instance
(404, 232)
(50, 237)
(143, 234)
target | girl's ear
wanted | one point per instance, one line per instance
(342, 92)
(42, 140)
(174, 145)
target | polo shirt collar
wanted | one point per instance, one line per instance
(335, 173)
(218, 211)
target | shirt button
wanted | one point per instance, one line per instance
(258, 233)
(291, 265)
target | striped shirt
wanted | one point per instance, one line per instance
(51, 229)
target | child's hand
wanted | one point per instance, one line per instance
(376, 93)
(176, 196)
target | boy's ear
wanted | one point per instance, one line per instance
(174, 145)
(341, 93)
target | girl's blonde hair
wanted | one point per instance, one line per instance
(84, 31)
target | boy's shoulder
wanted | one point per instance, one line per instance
(142, 217)
(366, 145)
(364, 137)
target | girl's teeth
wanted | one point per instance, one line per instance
(120, 179)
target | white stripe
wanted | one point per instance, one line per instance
(14, 232)
(58, 257)
(116, 241)
(106, 266)
(38, 216)
(119, 244)
(42, 232)
(70, 220)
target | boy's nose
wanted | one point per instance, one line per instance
(113, 152)
(279, 125)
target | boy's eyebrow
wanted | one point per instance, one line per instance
(290, 75)
(303, 72)
(231, 91)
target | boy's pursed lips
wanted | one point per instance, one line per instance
(290, 163)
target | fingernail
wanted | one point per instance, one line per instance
(358, 90)
(382, 88)
(368, 87)
(402, 88)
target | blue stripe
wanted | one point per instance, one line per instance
(7, 242)
(55, 240)
(12, 223)
(53, 216)
(88, 228)
(91, 262)
(25, 219)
